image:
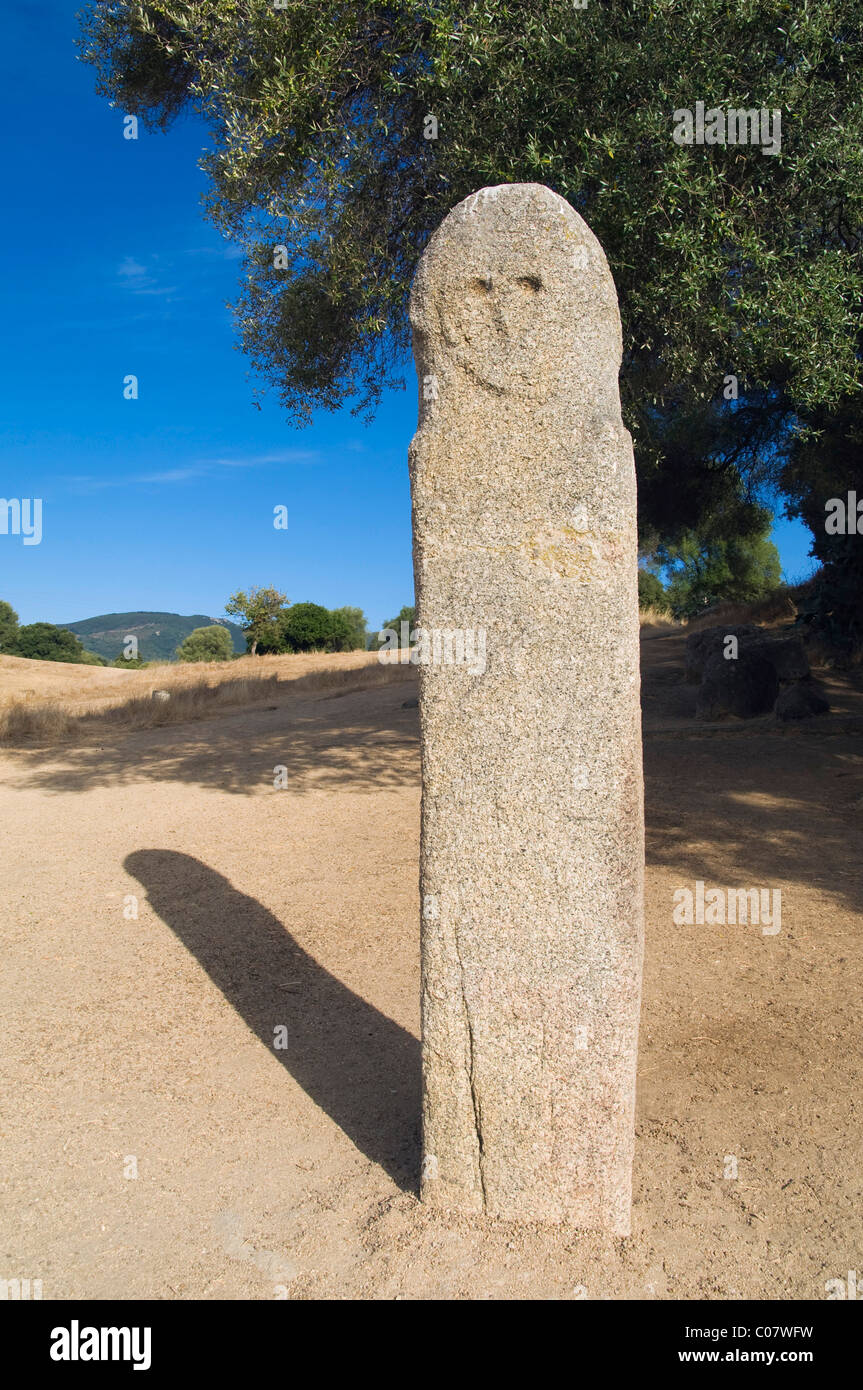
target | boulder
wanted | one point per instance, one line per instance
(788, 655)
(700, 646)
(799, 701)
(745, 687)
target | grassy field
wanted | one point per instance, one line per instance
(44, 701)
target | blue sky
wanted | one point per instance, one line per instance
(164, 502)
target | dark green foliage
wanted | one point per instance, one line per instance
(704, 464)
(834, 608)
(405, 615)
(726, 259)
(8, 627)
(340, 633)
(825, 462)
(721, 255)
(651, 593)
(47, 642)
(306, 627)
(272, 628)
(718, 563)
(348, 630)
(132, 663)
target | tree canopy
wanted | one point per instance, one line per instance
(725, 259)
(729, 261)
(47, 642)
(306, 627)
(261, 609)
(738, 563)
(348, 631)
(651, 591)
(8, 627)
(407, 614)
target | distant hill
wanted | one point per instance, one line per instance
(159, 634)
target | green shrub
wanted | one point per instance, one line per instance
(47, 642)
(206, 644)
(306, 627)
(651, 593)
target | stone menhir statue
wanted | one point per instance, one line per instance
(524, 518)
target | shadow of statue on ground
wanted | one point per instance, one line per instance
(359, 1066)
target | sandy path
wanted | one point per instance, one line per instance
(262, 1170)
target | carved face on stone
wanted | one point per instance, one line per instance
(506, 290)
(495, 324)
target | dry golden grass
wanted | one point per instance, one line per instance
(658, 618)
(780, 606)
(777, 607)
(44, 701)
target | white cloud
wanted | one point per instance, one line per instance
(131, 269)
(138, 279)
(199, 469)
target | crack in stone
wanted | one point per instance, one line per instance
(474, 1095)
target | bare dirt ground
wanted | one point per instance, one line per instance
(265, 1172)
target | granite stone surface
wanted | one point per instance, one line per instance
(524, 517)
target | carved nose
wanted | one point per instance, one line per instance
(508, 310)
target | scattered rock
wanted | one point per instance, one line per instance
(799, 701)
(161, 695)
(786, 654)
(745, 687)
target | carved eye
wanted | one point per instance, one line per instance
(532, 283)
(482, 285)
